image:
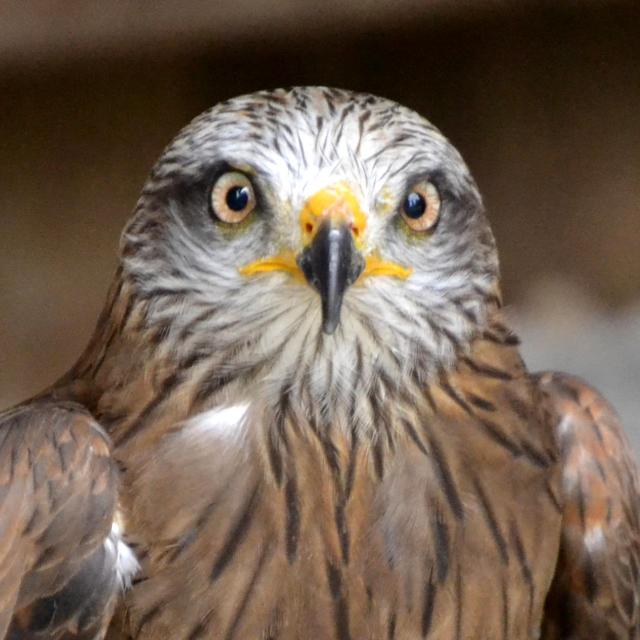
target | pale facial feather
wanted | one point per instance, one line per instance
(290, 152)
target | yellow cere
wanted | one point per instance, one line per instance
(337, 203)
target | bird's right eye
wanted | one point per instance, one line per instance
(232, 197)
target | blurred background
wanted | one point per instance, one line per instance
(542, 99)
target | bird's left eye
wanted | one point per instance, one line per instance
(232, 197)
(421, 206)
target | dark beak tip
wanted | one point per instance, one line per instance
(329, 326)
(330, 264)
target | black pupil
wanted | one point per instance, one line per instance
(237, 198)
(414, 205)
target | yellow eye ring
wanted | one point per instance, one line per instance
(232, 197)
(421, 206)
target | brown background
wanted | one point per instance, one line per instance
(542, 99)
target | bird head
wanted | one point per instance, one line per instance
(317, 228)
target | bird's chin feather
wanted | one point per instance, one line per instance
(265, 334)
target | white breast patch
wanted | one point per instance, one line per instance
(222, 422)
(125, 560)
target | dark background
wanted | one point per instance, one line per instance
(542, 99)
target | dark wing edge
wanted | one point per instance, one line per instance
(595, 592)
(58, 495)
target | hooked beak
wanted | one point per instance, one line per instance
(330, 264)
(333, 230)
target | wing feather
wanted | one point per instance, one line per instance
(58, 491)
(596, 588)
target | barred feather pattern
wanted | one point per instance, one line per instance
(391, 520)
(399, 479)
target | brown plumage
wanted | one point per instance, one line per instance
(58, 496)
(295, 465)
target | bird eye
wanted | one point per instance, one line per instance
(232, 197)
(421, 206)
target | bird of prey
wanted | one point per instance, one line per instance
(303, 414)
